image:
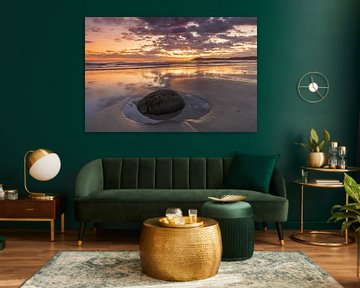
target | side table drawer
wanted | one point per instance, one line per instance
(30, 209)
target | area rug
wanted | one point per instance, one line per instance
(80, 269)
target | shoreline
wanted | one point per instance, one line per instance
(233, 109)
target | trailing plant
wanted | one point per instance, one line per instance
(314, 144)
(349, 214)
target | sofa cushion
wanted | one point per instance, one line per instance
(266, 207)
(251, 172)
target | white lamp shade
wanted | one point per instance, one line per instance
(46, 168)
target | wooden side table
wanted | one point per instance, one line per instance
(26, 209)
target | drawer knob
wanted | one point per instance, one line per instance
(29, 209)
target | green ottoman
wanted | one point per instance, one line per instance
(236, 221)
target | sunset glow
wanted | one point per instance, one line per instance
(149, 39)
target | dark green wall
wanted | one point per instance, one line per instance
(42, 88)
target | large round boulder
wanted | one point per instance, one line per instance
(161, 102)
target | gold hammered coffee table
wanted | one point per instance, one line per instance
(180, 254)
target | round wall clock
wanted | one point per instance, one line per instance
(313, 87)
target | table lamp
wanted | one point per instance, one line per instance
(43, 165)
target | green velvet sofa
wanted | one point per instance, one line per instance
(130, 190)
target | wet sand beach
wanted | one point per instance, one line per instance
(233, 102)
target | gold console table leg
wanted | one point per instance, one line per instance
(63, 223)
(52, 230)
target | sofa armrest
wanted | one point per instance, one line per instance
(89, 179)
(277, 184)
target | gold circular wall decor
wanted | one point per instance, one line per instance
(313, 87)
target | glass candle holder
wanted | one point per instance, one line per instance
(2, 192)
(333, 149)
(342, 153)
(11, 194)
(304, 176)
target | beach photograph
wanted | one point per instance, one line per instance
(170, 74)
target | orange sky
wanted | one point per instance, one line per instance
(152, 39)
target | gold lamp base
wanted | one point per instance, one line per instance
(41, 196)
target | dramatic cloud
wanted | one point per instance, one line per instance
(180, 37)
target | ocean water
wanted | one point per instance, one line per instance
(108, 84)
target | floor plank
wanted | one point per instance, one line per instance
(28, 250)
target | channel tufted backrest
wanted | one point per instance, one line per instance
(165, 173)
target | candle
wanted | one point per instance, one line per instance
(333, 144)
(342, 149)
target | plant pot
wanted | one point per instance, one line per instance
(317, 159)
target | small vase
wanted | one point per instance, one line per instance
(317, 159)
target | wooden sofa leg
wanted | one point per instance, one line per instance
(280, 233)
(81, 233)
(265, 227)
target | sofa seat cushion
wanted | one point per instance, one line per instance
(266, 207)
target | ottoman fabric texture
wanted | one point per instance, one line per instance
(236, 223)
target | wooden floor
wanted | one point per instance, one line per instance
(28, 250)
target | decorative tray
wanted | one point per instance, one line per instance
(165, 222)
(228, 198)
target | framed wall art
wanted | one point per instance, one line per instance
(170, 74)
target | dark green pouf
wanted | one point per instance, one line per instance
(236, 221)
(2, 242)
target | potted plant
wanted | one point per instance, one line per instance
(317, 157)
(350, 214)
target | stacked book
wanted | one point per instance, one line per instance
(328, 181)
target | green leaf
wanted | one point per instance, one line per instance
(350, 207)
(352, 188)
(326, 136)
(336, 216)
(314, 135)
(312, 144)
(321, 146)
(346, 225)
(306, 146)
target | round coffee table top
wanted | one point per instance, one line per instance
(154, 223)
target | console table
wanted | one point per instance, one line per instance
(27, 209)
(297, 235)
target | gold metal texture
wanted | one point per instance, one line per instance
(30, 158)
(317, 159)
(188, 224)
(314, 184)
(296, 237)
(228, 198)
(337, 170)
(36, 155)
(187, 254)
(41, 196)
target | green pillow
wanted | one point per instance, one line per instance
(251, 172)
